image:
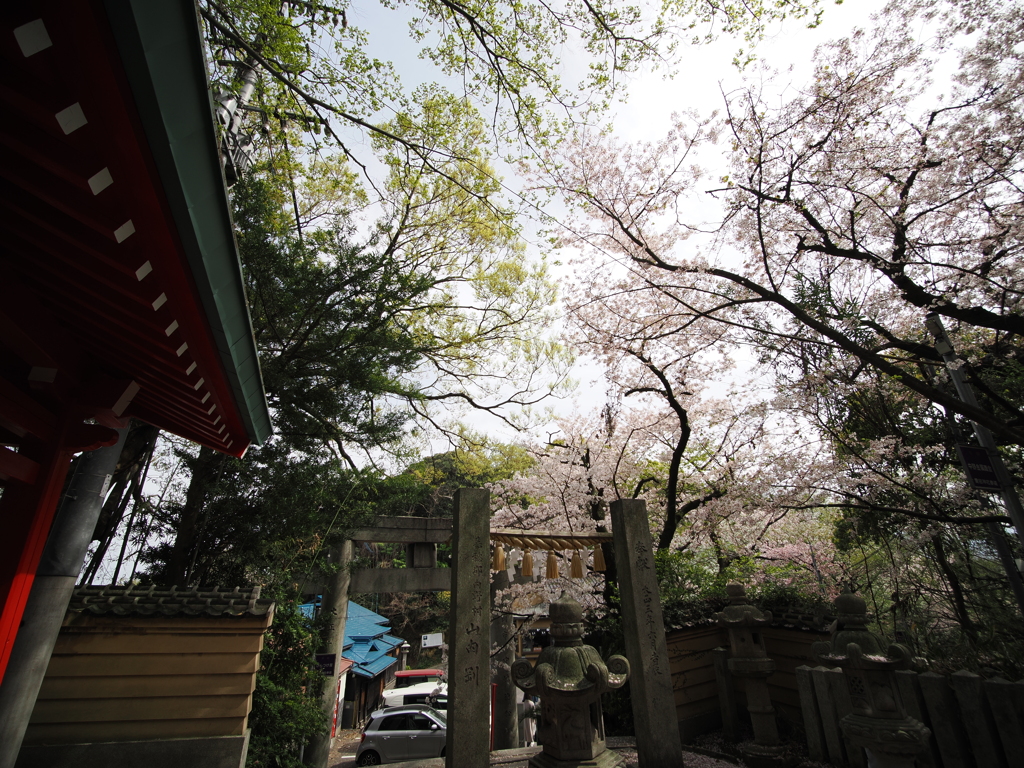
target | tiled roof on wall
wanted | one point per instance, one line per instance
(133, 600)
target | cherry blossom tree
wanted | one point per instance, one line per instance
(742, 493)
(875, 194)
(851, 210)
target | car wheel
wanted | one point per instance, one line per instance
(369, 757)
(442, 751)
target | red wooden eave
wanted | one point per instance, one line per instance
(100, 317)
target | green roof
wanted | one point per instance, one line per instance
(160, 45)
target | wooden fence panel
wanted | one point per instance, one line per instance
(981, 729)
(134, 709)
(947, 728)
(127, 687)
(1006, 700)
(691, 662)
(153, 664)
(135, 730)
(691, 659)
(789, 649)
(693, 687)
(123, 677)
(76, 643)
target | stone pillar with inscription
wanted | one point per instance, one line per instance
(654, 707)
(469, 674)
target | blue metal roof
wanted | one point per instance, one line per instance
(374, 668)
(367, 642)
(363, 623)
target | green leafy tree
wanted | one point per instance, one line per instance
(326, 318)
(286, 711)
(264, 520)
(356, 341)
(307, 62)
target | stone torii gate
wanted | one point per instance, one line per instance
(421, 535)
(657, 734)
(654, 711)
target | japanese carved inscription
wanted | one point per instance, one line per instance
(469, 678)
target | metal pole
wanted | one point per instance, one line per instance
(1009, 565)
(954, 365)
(1010, 499)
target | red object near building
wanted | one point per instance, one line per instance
(406, 677)
(121, 294)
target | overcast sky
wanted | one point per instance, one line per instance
(700, 77)
(651, 98)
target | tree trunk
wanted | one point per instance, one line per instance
(720, 556)
(956, 591)
(133, 460)
(136, 454)
(672, 488)
(206, 470)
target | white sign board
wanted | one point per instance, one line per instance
(432, 641)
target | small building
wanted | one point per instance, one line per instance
(148, 676)
(374, 656)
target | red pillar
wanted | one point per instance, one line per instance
(26, 513)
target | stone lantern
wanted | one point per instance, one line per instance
(569, 679)
(749, 660)
(879, 721)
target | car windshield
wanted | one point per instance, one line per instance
(439, 716)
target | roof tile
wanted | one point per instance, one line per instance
(134, 600)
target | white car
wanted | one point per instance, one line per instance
(433, 694)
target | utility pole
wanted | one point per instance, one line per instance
(335, 599)
(1011, 501)
(237, 147)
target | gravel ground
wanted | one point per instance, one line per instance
(707, 751)
(346, 743)
(690, 759)
(343, 753)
